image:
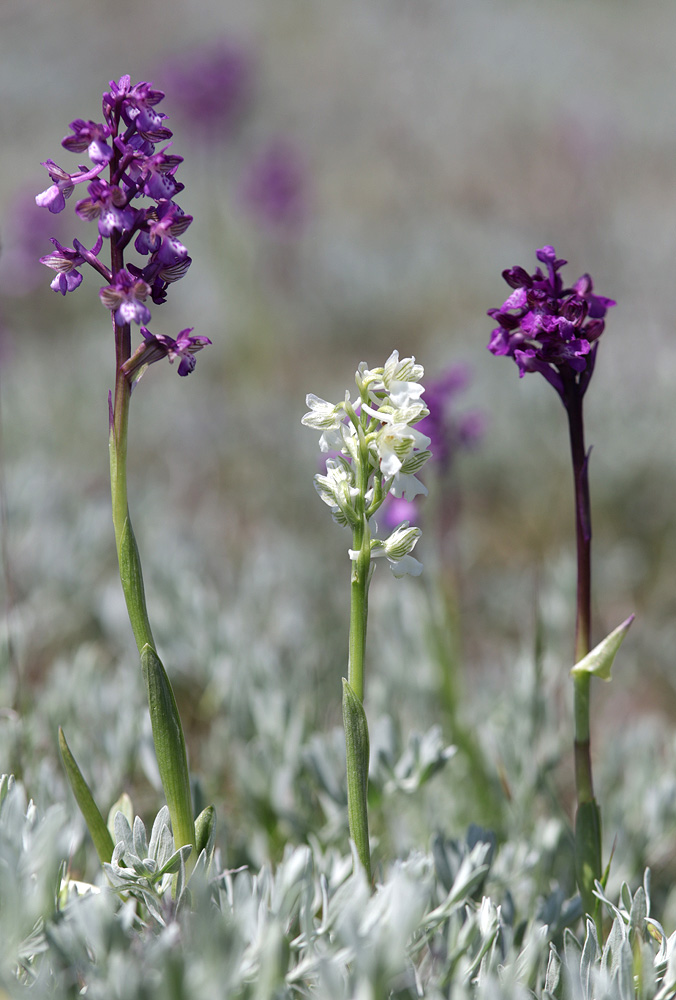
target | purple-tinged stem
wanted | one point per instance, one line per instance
(588, 856)
(582, 524)
(580, 459)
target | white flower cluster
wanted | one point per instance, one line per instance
(378, 451)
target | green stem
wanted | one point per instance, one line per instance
(359, 610)
(131, 575)
(354, 717)
(167, 730)
(169, 745)
(361, 543)
(581, 707)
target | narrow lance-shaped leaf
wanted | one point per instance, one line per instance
(98, 830)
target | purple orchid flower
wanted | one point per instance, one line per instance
(125, 297)
(66, 261)
(92, 137)
(125, 143)
(548, 328)
(158, 346)
(54, 197)
(108, 204)
(160, 231)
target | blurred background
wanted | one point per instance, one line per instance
(359, 173)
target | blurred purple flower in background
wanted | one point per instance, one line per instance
(449, 433)
(396, 509)
(211, 86)
(212, 89)
(274, 188)
(26, 229)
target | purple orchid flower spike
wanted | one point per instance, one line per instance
(555, 330)
(550, 329)
(124, 143)
(133, 206)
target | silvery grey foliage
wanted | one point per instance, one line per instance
(297, 925)
(32, 849)
(146, 870)
(440, 924)
(637, 959)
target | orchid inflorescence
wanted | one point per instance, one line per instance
(555, 330)
(379, 451)
(550, 329)
(125, 143)
(137, 200)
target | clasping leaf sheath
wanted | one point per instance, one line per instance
(132, 584)
(357, 751)
(169, 746)
(588, 858)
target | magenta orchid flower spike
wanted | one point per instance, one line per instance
(553, 329)
(133, 202)
(548, 328)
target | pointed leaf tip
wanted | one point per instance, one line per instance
(599, 661)
(97, 828)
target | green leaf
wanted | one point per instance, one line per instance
(98, 830)
(204, 830)
(169, 747)
(131, 577)
(357, 751)
(599, 661)
(588, 865)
